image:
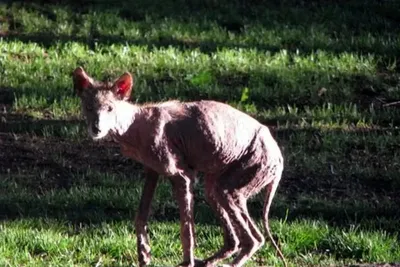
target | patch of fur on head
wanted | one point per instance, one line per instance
(102, 103)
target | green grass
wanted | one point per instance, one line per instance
(44, 241)
(91, 221)
(320, 74)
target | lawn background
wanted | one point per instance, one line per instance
(322, 74)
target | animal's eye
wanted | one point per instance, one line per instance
(109, 109)
(89, 108)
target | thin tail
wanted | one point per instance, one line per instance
(270, 193)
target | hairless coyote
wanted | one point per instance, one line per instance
(237, 155)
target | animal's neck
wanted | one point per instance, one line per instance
(125, 116)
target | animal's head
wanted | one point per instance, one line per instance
(100, 99)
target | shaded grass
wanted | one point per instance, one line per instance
(342, 177)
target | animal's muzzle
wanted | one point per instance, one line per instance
(95, 129)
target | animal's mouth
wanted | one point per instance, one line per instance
(97, 136)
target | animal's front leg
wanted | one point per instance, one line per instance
(143, 247)
(183, 191)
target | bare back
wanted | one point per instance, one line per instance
(190, 132)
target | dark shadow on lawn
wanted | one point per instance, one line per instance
(61, 159)
(15, 123)
(231, 16)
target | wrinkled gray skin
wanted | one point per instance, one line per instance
(236, 153)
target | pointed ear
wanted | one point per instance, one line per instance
(81, 80)
(122, 88)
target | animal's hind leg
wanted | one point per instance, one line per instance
(242, 204)
(234, 187)
(231, 241)
(248, 243)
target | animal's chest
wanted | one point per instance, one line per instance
(130, 152)
(153, 155)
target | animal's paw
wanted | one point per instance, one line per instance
(197, 263)
(203, 263)
(144, 258)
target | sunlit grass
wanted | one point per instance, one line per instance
(45, 241)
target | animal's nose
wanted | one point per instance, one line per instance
(95, 129)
